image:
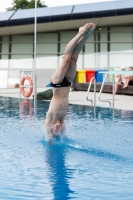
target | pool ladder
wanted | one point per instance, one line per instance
(87, 94)
(99, 96)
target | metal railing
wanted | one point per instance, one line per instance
(99, 96)
(87, 94)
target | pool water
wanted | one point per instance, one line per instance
(93, 161)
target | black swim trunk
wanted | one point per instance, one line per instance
(130, 82)
(64, 83)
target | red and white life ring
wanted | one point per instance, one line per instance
(26, 94)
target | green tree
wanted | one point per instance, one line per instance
(39, 4)
(25, 4)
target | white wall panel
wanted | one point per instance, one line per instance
(89, 60)
(26, 63)
(13, 81)
(47, 62)
(22, 45)
(80, 62)
(47, 43)
(4, 63)
(102, 60)
(22, 52)
(121, 38)
(5, 50)
(3, 78)
(120, 46)
(103, 47)
(89, 45)
(103, 36)
(118, 59)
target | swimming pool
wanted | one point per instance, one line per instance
(94, 161)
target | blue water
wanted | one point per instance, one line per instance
(94, 161)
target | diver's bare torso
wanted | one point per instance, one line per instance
(58, 106)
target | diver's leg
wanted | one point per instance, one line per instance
(65, 63)
(71, 72)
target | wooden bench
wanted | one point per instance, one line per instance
(108, 87)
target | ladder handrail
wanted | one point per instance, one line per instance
(87, 94)
(102, 100)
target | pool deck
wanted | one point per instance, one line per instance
(124, 102)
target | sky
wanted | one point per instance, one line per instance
(50, 3)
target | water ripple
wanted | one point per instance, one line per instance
(93, 161)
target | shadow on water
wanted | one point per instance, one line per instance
(97, 152)
(59, 175)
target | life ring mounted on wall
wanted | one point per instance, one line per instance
(24, 93)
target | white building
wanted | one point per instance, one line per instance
(110, 46)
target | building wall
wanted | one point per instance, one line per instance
(108, 47)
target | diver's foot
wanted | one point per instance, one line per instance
(92, 29)
(85, 29)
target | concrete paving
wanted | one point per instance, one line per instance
(124, 102)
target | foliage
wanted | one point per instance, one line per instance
(25, 4)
